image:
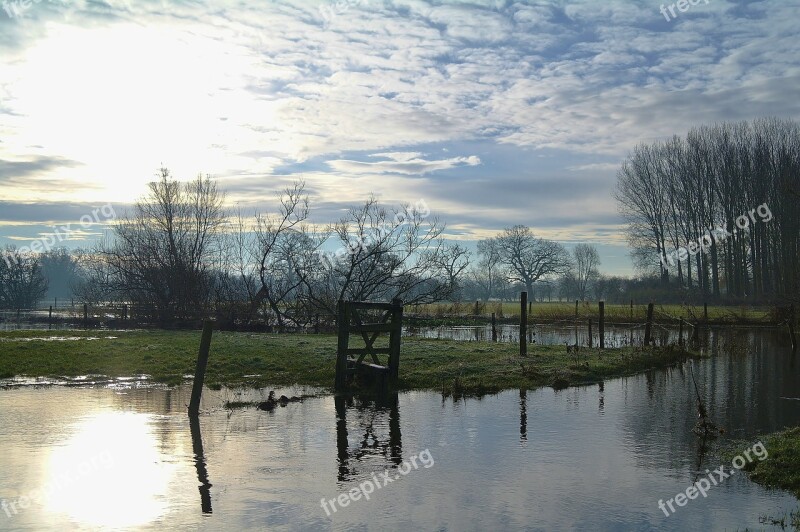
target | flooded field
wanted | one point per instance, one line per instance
(123, 455)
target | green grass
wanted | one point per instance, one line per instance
(781, 469)
(257, 360)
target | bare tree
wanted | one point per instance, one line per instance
(22, 280)
(164, 251)
(529, 258)
(383, 254)
(586, 260)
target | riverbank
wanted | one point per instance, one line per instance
(257, 360)
(782, 469)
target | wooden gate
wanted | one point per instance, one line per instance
(349, 320)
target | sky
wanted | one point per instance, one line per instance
(493, 113)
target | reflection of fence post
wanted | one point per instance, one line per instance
(523, 323)
(590, 333)
(649, 325)
(200, 464)
(395, 337)
(343, 331)
(494, 328)
(602, 324)
(791, 328)
(200, 371)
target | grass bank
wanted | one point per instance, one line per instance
(257, 360)
(781, 469)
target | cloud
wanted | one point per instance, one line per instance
(405, 163)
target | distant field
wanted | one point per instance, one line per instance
(555, 311)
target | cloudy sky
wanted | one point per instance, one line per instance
(494, 113)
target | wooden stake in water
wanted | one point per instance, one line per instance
(523, 323)
(649, 325)
(602, 324)
(200, 371)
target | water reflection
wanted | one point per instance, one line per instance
(200, 464)
(517, 460)
(376, 423)
(108, 472)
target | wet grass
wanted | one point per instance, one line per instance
(258, 360)
(781, 469)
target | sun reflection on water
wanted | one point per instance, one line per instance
(110, 473)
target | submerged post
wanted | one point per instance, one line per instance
(523, 324)
(200, 371)
(343, 331)
(602, 324)
(649, 325)
(395, 338)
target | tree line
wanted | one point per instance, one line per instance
(715, 213)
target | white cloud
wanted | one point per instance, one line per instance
(406, 163)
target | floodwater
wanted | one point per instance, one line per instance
(125, 456)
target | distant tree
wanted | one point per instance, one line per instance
(164, 252)
(527, 258)
(22, 280)
(585, 263)
(61, 269)
(383, 254)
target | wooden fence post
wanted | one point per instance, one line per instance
(494, 328)
(85, 314)
(705, 312)
(680, 332)
(200, 370)
(631, 309)
(395, 338)
(523, 323)
(649, 325)
(343, 331)
(602, 324)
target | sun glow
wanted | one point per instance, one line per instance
(121, 101)
(110, 473)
